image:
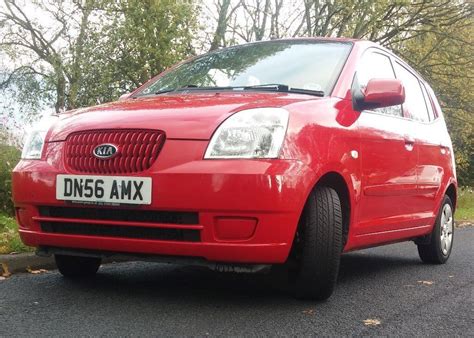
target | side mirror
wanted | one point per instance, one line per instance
(124, 96)
(379, 93)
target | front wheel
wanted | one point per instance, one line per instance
(77, 267)
(318, 245)
(439, 247)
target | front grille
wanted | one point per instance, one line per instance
(74, 221)
(137, 150)
(70, 228)
(124, 215)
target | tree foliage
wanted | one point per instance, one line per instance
(91, 50)
(140, 40)
(446, 61)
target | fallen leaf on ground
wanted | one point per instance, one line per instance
(426, 282)
(372, 322)
(5, 273)
(309, 312)
(36, 272)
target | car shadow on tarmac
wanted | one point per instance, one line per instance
(155, 281)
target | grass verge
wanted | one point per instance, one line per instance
(9, 238)
(465, 207)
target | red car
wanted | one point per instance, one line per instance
(284, 153)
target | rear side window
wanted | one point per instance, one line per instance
(435, 101)
(429, 105)
(414, 100)
(377, 66)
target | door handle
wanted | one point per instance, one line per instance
(409, 142)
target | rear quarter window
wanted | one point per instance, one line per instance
(434, 99)
(428, 102)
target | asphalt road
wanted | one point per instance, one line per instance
(388, 284)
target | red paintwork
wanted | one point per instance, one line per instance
(249, 209)
(384, 92)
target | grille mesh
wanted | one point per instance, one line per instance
(121, 215)
(137, 150)
(186, 235)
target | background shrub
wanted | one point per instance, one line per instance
(9, 157)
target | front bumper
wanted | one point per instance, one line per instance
(248, 210)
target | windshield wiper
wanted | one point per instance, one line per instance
(284, 88)
(266, 87)
(270, 86)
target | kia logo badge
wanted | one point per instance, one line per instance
(105, 151)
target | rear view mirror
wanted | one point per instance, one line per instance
(379, 93)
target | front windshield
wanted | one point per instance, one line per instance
(309, 65)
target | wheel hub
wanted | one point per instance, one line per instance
(446, 232)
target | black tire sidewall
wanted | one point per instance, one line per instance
(431, 252)
(317, 273)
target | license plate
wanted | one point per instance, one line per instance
(104, 189)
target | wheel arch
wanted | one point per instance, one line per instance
(451, 192)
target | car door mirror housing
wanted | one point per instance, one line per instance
(379, 93)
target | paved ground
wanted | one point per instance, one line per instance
(143, 299)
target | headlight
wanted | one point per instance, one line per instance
(34, 145)
(35, 140)
(252, 133)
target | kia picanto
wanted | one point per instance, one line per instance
(284, 153)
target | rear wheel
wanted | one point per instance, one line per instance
(440, 244)
(77, 267)
(318, 245)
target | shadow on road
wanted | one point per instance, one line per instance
(360, 265)
(152, 280)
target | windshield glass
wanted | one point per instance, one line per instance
(310, 65)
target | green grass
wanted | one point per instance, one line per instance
(465, 207)
(9, 237)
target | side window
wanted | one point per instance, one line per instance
(414, 100)
(437, 107)
(429, 105)
(377, 66)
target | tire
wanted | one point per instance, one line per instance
(438, 249)
(318, 246)
(77, 267)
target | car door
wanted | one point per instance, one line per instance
(433, 161)
(433, 152)
(388, 158)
